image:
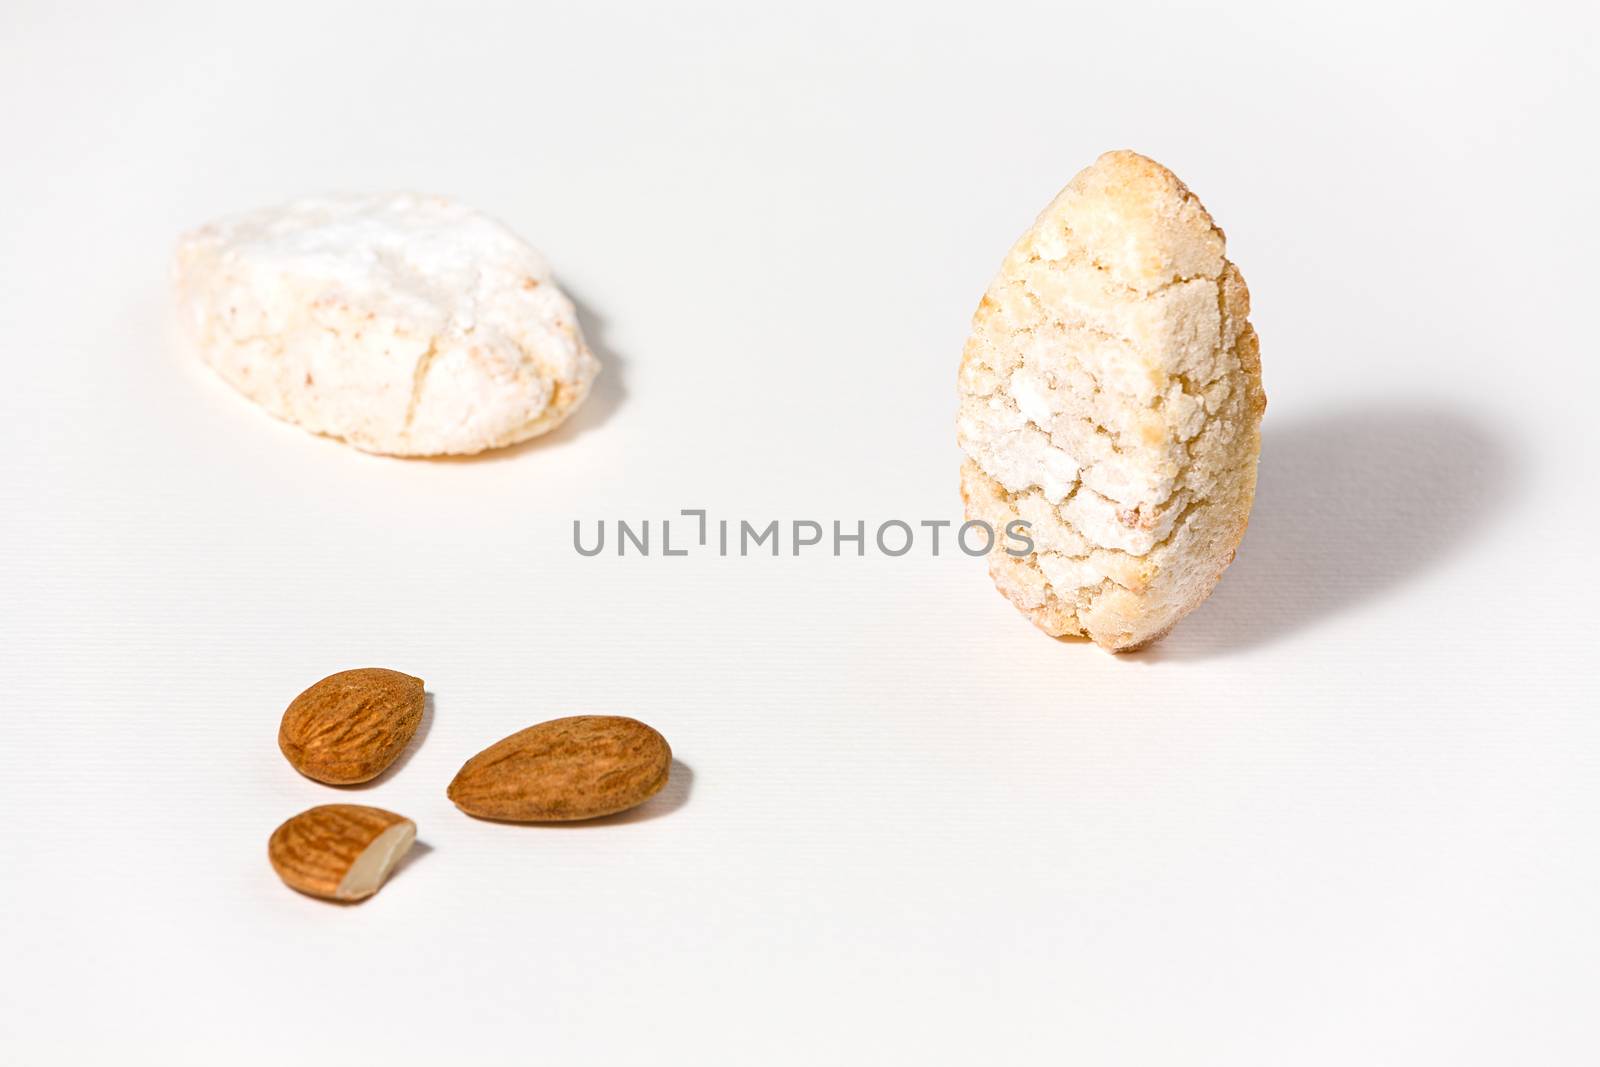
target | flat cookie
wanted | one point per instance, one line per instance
(1111, 397)
(402, 324)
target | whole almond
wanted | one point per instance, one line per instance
(340, 851)
(580, 767)
(350, 726)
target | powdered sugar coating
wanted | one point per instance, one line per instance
(1111, 396)
(403, 324)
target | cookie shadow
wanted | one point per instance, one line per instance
(605, 396)
(1349, 507)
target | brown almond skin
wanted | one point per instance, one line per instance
(313, 851)
(563, 770)
(350, 726)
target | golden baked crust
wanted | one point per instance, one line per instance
(1111, 396)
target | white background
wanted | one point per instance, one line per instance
(1346, 814)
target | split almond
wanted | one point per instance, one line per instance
(580, 767)
(350, 726)
(340, 851)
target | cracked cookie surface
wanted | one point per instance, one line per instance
(1111, 397)
(402, 324)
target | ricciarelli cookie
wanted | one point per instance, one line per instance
(403, 324)
(1111, 397)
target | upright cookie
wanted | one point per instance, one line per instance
(402, 324)
(1111, 397)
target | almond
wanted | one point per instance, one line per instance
(350, 726)
(340, 851)
(580, 767)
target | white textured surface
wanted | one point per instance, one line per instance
(1111, 398)
(1347, 814)
(404, 324)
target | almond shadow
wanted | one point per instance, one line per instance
(419, 848)
(673, 796)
